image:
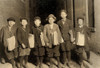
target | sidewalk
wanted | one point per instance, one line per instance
(95, 59)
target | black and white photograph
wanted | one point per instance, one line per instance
(49, 33)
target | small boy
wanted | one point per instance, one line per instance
(39, 50)
(81, 39)
(8, 32)
(53, 39)
(22, 36)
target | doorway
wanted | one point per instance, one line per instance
(43, 8)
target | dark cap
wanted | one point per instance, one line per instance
(80, 18)
(51, 15)
(63, 10)
(23, 19)
(10, 19)
(37, 17)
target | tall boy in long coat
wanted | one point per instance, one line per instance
(65, 26)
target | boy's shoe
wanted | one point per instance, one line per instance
(64, 66)
(26, 66)
(69, 65)
(82, 66)
(14, 66)
(18, 66)
(41, 66)
(51, 66)
(89, 62)
(59, 66)
(37, 66)
(21, 67)
(48, 63)
(3, 61)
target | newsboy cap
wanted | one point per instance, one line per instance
(37, 17)
(10, 19)
(51, 15)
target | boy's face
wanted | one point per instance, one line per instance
(51, 20)
(80, 22)
(37, 22)
(63, 15)
(24, 22)
(11, 23)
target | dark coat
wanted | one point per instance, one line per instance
(23, 35)
(86, 32)
(37, 32)
(65, 28)
(4, 35)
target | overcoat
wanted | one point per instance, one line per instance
(65, 28)
(4, 35)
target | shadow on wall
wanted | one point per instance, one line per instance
(93, 44)
(11, 8)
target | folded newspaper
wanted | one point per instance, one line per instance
(80, 39)
(11, 42)
(31, 40)
(42, 39)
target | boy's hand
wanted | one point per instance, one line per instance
(72, 39)
(74, 42)
(48, 45)
(88, 38)
(23, 45)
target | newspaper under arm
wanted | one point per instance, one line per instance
(11, 42)
(80, 39)
(31, 40)
(42, 39)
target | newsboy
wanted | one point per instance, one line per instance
(11, 48)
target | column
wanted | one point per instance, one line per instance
(97, 21)
(27, 9)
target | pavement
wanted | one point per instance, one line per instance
(95, 59)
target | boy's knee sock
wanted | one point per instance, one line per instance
(64, 57)
(26, 59)
(81, 58)
(88, 55)
(41, 59)
(69, 55)
(16, 61)
(13, 63)
(50, 60)
(58, 60)
(38, 60)
(21, 61)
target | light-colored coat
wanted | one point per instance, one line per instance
(47, 34)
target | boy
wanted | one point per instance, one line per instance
(53, 39)
(6, 33)
(81, 39)
(65, 26)
(39, 50)
(22, 37)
